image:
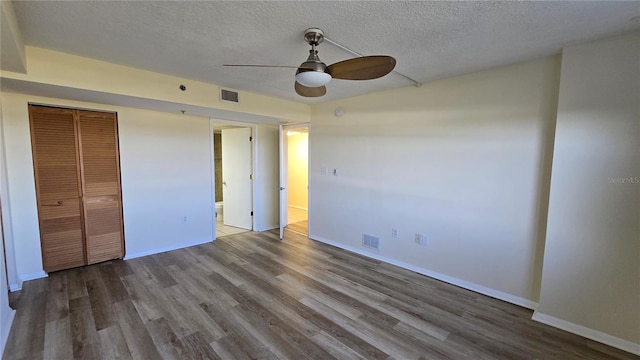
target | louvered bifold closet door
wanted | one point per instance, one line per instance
(57, 175)
(101, 185)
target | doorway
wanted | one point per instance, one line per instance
(295, 178)
(233, 167)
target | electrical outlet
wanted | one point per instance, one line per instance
(420, 239)
(184, 219)
(394, 233)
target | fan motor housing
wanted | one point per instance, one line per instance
(314, 36)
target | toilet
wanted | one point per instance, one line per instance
(219, 211)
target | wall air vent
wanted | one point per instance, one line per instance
(370, 241)
(229, 96)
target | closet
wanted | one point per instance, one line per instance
(77, 175)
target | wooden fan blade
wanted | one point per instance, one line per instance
(362, 68)
(310, 91)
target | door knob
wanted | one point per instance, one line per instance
(224, 183)
(281, 188)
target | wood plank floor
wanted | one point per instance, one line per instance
(301, 227)
(251, 296)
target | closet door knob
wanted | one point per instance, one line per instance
(58, 203)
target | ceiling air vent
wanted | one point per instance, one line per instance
(228, 95)
(370, 241)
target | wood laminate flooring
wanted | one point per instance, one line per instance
(224, 230)
(251, 296)
(301, 227)
(295, 214)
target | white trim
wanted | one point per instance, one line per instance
(446, 278)
(165, 249)
(580, 330)
(26, 277)
(33, 276)
(5, 330)
(588, 333)
(7, 228)
(268, 227)
(297, 125)
(255, 175)
(308, 178)
(298, 207)
(283, 211)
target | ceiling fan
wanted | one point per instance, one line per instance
(312, 75)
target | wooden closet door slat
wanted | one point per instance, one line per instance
(55, 160)
(101, 185)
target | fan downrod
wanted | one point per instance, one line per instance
(314, 36)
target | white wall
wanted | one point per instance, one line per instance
(12, 51)
(267, 179)
(21, 195)
(52, 68)
(458, 160)
(6, 313)
(7, 232)
(166, 175)
(591, 277)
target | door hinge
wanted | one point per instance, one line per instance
(250, 138)
(252, 213)
(251, 176)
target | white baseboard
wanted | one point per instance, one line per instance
(446, 278)
(4, 331)
(588, 333)
(165, 249)
(298, 207)
(33, 276)
(595, 335)
(26, 277)
(268, 227)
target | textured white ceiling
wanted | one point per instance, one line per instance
(430, 40)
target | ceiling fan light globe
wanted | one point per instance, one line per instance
(313, 78)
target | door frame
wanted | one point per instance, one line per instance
(284, 174)
(254, 165)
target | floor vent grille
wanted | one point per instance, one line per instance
(370, 241)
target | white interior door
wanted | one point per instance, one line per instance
(236, 178)
(283, 180)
